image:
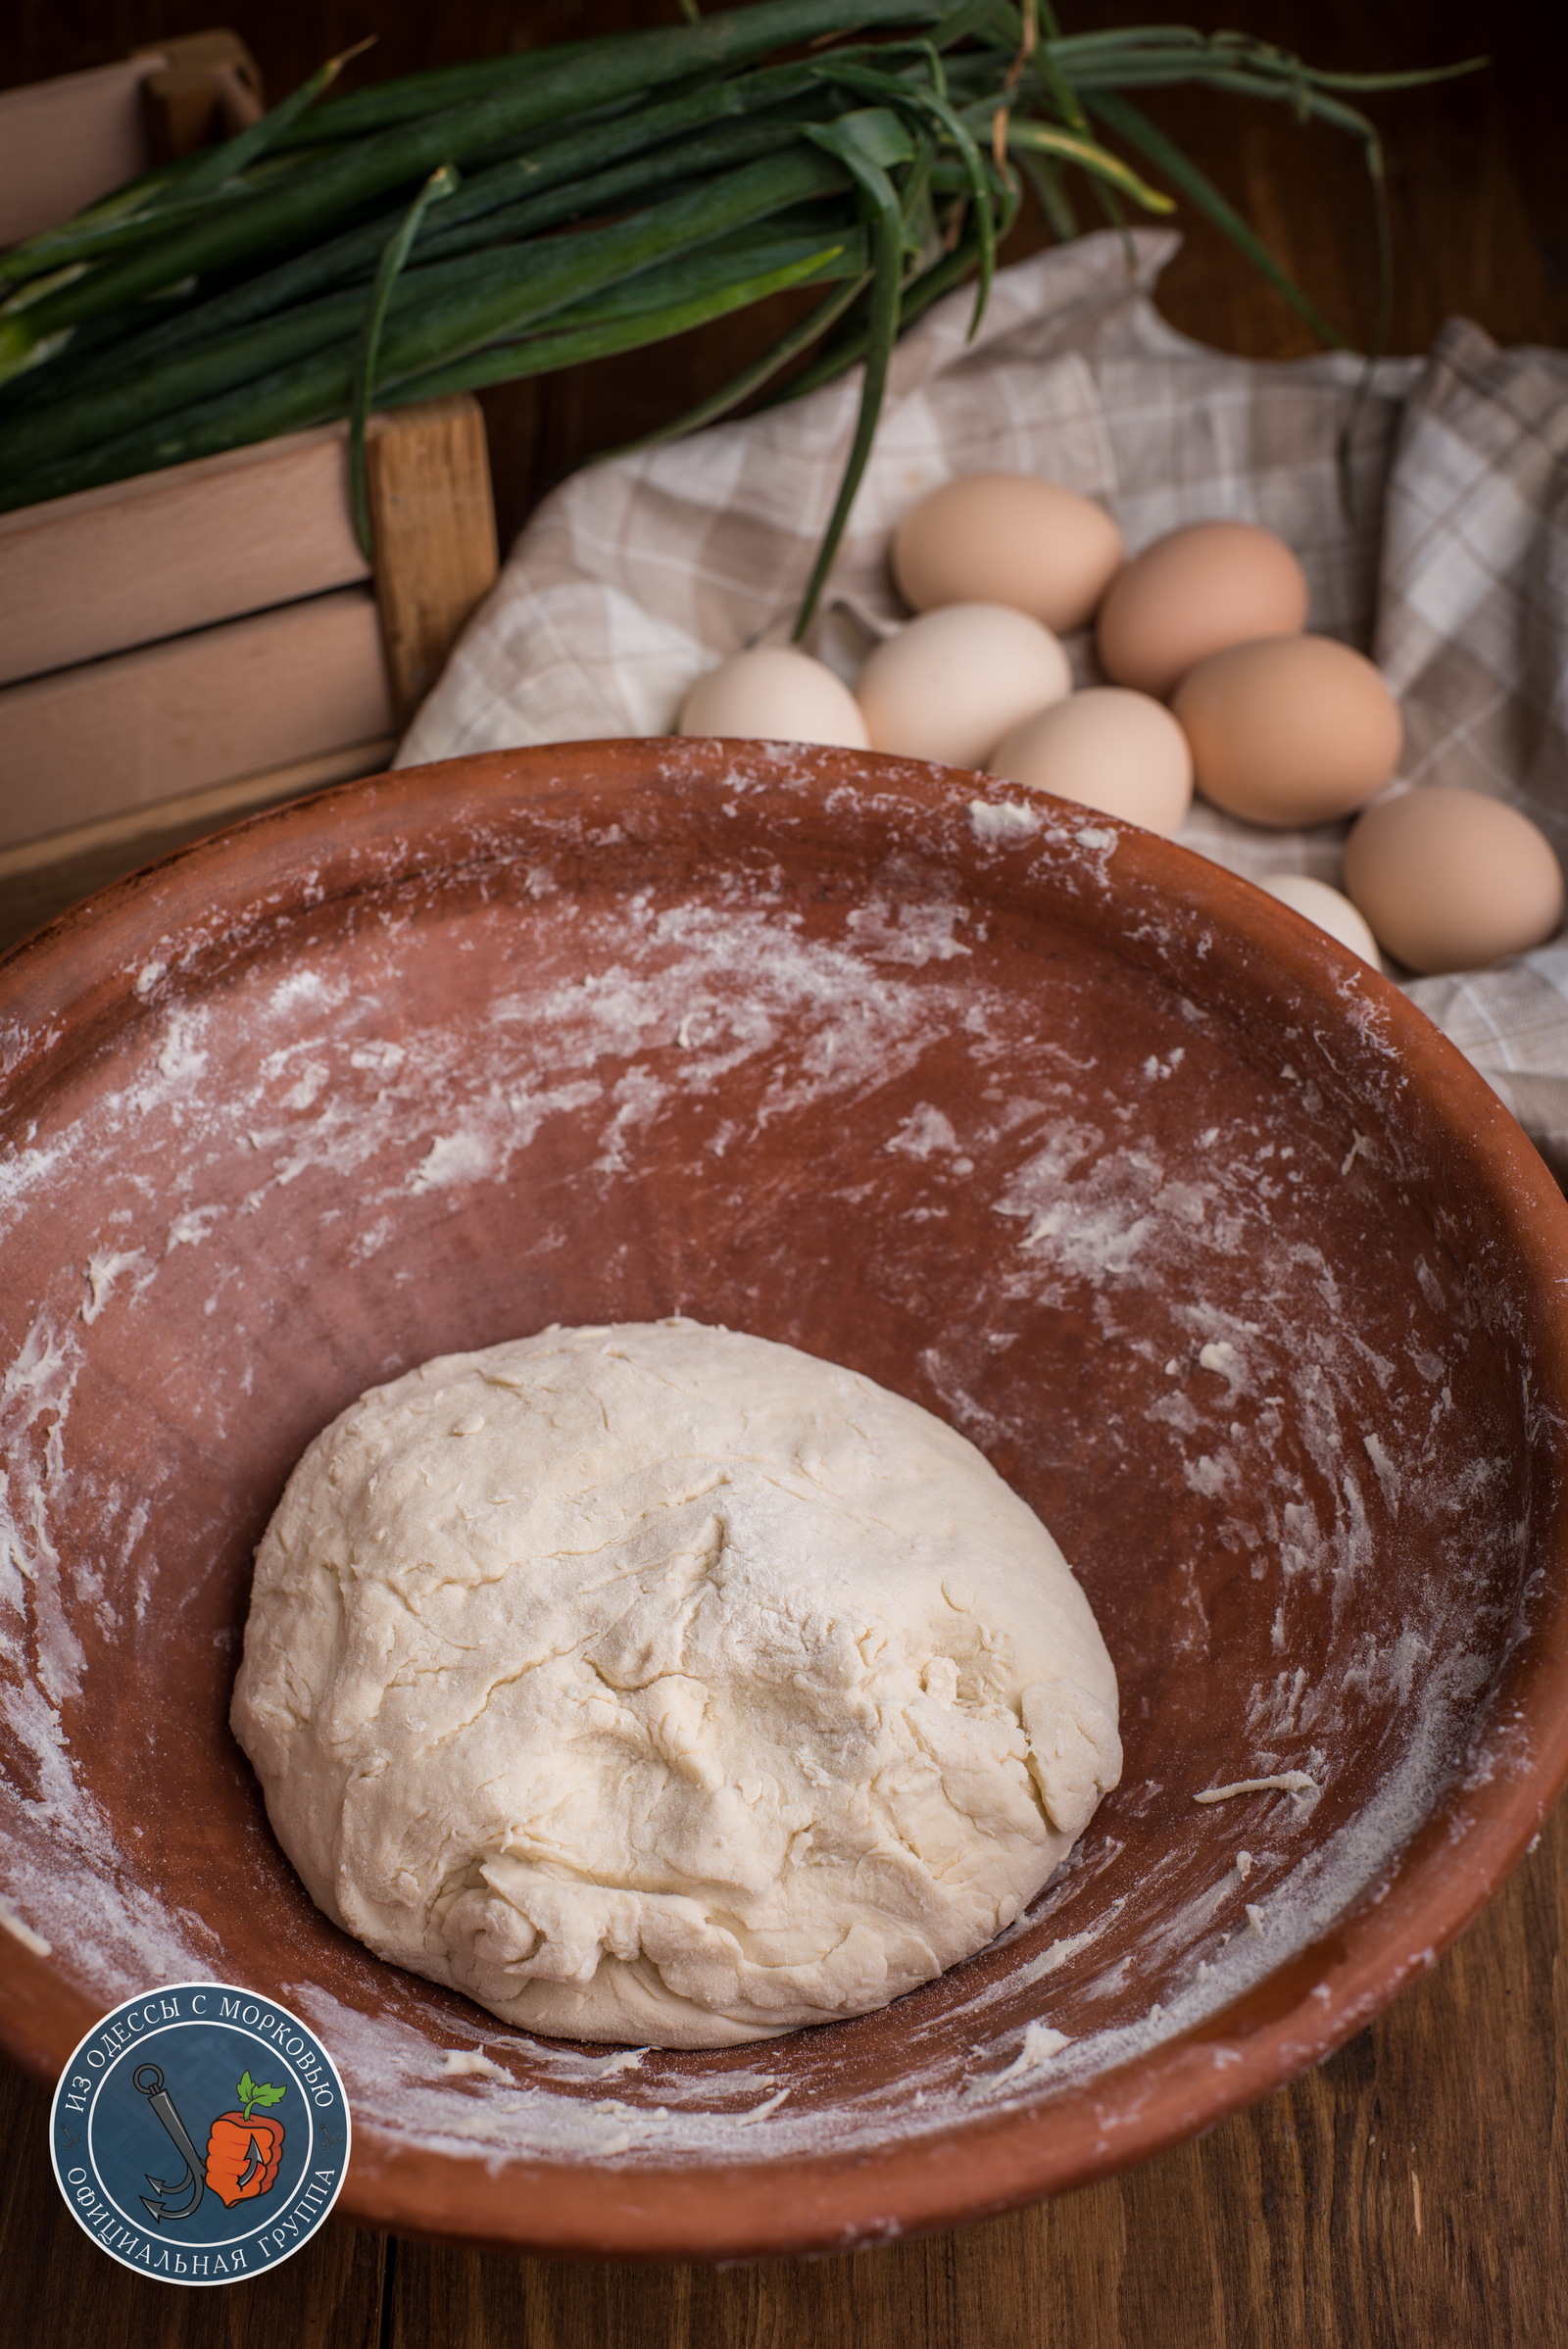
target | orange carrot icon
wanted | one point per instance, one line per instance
(242, 2151)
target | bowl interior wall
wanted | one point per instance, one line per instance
(1016, 1136)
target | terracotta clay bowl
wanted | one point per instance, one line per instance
(1230, 1265)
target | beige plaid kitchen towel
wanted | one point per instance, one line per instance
(1451, 565)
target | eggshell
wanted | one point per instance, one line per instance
(1192, 593)
(1330, 908)
(1008, 538)
(1116, 750)
(775, 694)
(955, 680)
(1291, 731)
(1452, 880)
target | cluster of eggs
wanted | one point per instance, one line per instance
(1214, 683)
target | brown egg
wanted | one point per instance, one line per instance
(1452, 880)
(1192, 593)
(1008, 538)
(1120, 751)
(953, 682)
(1291, 730)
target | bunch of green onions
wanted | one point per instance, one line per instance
(486, 222)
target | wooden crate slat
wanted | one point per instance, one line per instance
(201, 711)
(141, 560)
(64, 143)
(42, 877)
(434, 519)
(146, 829)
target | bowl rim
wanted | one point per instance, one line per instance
(1479, 1828)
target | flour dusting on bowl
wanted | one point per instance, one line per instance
(1049, 1128)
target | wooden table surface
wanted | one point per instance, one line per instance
(1414, 2189)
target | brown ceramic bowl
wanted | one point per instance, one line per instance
(1232, 1266)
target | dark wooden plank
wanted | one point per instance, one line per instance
(1478, 212)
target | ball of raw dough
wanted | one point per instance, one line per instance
(1120, 751)
(659, 1683)
(955, 680)
(1452, 880)
(1008, 538)
(1194, 592)
(774, 693)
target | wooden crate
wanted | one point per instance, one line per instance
(211, 639)
(195, 643)
(64, 143)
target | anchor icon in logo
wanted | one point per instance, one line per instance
(242, 2152)
(148, 2081)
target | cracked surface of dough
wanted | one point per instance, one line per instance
(659, 1683)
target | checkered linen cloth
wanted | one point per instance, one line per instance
(1450, 565)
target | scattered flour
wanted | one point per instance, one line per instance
(1041, 2042)
(749, 1016)
(470, 2063)
(996, 821)
(1283, 1782)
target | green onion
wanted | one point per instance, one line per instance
(613, 192)
(672, 301)
(326, 189)
(219, 165)
(368, 357)
(439, 310)
(436, 315)
(1068, 146)
(773, 361)
(856, 143)
(933, 103)
(488, 204)
(416, 94)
